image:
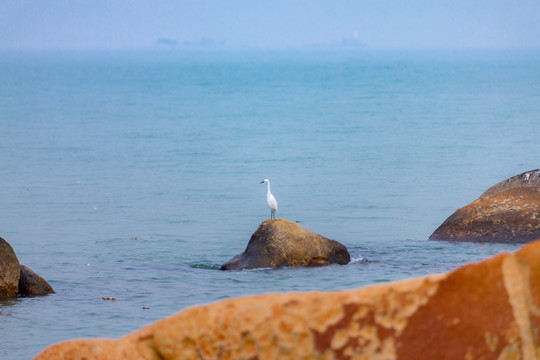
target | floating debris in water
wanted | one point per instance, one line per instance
(109, 298)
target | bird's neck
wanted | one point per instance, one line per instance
(268, 184)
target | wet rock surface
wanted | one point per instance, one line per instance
(31, 284)
(17, 279)
(507, 212)
(281, 242)
(9, 270)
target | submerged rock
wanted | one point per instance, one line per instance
(9, 270)
(280, 242)
(487, 310)
(507, 212)
(31, 284)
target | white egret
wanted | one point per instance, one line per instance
(271, 200)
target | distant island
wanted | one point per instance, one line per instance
(202, 43)
(166, 42)
(351, 42)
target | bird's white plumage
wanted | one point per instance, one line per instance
(272, 202)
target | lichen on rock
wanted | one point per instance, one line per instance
(507, 212)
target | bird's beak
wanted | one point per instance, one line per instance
(261, 182)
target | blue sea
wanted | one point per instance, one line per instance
(135, 175)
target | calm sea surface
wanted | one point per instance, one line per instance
(136, 175)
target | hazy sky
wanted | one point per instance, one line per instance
(126, 24)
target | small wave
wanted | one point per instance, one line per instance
(358, 260)
(206, 266)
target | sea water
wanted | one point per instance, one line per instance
(135, 175)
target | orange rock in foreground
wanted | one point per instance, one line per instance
(487, 310)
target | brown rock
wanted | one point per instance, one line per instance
(283, 243)
(506, 212)
(487, 310)
(31, 284)
(9, 270)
